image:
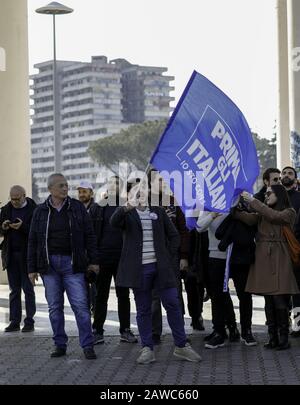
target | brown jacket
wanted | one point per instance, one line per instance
(272, 272)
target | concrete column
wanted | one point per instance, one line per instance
(294, 78)
(283, 127)
(15, 164)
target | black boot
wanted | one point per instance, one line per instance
(273, 338)
(272, 326)
(283, 327)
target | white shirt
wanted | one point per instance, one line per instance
(148, 245)
(206, 222)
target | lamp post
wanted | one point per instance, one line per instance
(54, 9)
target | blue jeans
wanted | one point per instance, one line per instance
(57, 280)
(170, 300)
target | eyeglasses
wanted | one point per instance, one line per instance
(61, 185)
(16, 199)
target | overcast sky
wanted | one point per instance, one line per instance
(232, 42)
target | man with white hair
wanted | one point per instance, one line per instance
(15, 219)
(62, 249)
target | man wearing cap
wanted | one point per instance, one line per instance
(86, 196)
(110, 242)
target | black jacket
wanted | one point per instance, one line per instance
(198, 256)
(96, 213)
(166, 243)
(177, 217)
(294, 197)
(6, 213)
(261, 194)
(242, 236)
(83, 239)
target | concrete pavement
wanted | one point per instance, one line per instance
(24, 358)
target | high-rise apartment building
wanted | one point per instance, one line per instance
(95, 100)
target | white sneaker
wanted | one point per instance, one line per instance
(146, 356)
(187, 353)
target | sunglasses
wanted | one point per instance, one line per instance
(268, 193)
(276, 179)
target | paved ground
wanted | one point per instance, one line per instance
(24, 359)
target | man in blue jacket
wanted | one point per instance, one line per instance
(62, 248)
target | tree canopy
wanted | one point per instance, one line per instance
(134, 145)
(266, 151)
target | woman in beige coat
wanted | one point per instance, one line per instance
(272, 273)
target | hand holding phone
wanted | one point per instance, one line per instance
(6, 224)
(16, 224)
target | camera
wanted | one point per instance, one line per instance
(242, 204)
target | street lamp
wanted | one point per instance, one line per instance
(54, 9)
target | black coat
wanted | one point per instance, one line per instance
(96, 213)
(242, 236)
(198, 256)
(166, 243)
(294, 197)
(261, 194)
(6, 213)
(83, 239)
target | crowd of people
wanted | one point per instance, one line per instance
(78, 245)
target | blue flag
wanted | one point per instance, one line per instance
(206, 153)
